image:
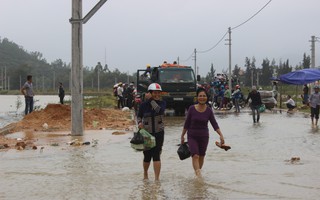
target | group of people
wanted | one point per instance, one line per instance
(221, 95)
(150, 117)
(124, 94)
(28, 93)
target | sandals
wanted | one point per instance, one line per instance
(223, 146)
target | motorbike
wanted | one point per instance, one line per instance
(231, 104)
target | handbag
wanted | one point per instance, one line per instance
(183, 151)
(137, 138)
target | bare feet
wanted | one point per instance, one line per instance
(198, 173)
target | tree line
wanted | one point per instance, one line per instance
(16, 63)
(251, 74)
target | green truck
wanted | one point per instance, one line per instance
(178, 84)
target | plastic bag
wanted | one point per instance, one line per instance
(137, 138)
(262, 108)
(138, 147)
(183, 151)
(149, 140)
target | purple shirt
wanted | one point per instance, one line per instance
(197, 122)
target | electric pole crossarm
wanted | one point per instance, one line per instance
(93, 11)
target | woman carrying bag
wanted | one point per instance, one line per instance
(150, 117)
(196, 127)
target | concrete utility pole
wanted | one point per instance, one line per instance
(313, 40)
(2, 78)
(230, 76)
(195, 62)
(42, 83)
(77, 64)
(5, 77)
(54, 80)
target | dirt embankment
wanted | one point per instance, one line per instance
(57, 117)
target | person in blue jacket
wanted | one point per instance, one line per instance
(150, 117)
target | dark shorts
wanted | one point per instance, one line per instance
(155, 152)
(198, 145)
(315, 112)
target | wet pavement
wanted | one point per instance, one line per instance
(258, 166)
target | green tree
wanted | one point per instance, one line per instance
(211, 74)
(266, 72)
(247, 75)
(284, 67)
(306, 62)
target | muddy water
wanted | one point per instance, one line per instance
(257, 166)
(12, 106)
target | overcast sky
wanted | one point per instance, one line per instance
(128, 34)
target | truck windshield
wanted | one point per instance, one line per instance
(176, 75)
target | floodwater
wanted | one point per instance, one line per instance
(257, 167)
(12, 106)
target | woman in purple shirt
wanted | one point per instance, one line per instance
(196, 127)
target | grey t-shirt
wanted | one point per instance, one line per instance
(29, 89)
(314, 100)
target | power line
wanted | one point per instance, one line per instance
(251, 16)
(227, 33)
(214, 45)
(187, 58)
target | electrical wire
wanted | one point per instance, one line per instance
(251, 16)
(187, 58)
(214, 45)
(227, 33)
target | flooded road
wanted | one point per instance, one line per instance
(257, 167)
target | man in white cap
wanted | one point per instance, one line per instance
(255, 104)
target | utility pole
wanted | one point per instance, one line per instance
(99, 80)
(76, 65)
(42, 83)
(229, 43)
(2, 78)
(54, 80)
(313, 40)
(195, 62)
(128, 78)
(251, 76)
(178, 60)
(5, 77)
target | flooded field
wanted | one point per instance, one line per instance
(258, 166)
(12, 106)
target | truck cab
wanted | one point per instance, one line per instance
(178, 84)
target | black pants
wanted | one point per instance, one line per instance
(289, 106)
(120, 101)
(61, 99)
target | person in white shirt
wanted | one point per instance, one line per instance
(290, 103)
(314, 102)
(120, 95)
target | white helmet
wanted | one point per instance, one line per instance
(154, 87)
